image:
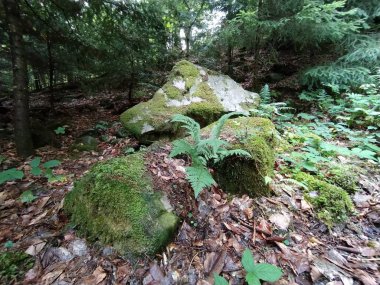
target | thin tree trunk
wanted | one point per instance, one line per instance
(51, 74)
(229, 62)
(23, 138)
(187, 40)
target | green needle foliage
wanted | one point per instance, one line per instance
(203, 152)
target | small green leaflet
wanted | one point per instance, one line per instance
(252, 279)
(10, 174)
(36, 171)
(219, 280)
(263, 271)
(8, 244)
(267, 272)
(27, 197)
(199, 178)
(51, 163)
(248, 261)
(35, 162)
(60, 130)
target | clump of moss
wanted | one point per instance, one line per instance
(345, 177)
(171, 91)
(332, 203)
(13, 265)
(247, 176)
(115, 204)
(187, 70)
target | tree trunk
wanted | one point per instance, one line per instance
(51, 73)
(230, 70)
(23, 138)
(187, 40)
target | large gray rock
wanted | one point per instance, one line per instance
(191, 90)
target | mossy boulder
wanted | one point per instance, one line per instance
(190, 90)
(257, 136)
(115, 204)
(331, 202)
(86, 143)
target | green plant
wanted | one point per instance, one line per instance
(60, 130)
(267, 109)
(10, 174)
(203, 152)
(255, 271)
(13, 265)
(27, 197)
(45, 169)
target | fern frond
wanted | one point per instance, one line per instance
(182, 147)
(193, 128)
(199, 178)
(216, 130)
(210, 149)
(232, 152)
(265, 95)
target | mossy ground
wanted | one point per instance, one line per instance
(247, 176)
(13, 265)
(344, 176)
(332, 203)
(115, 204)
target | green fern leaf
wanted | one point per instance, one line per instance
(265, 95)
(199, 178)
(182, 147)
(232, 152)
(193, 128)
(216, 130)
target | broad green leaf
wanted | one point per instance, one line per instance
(36, 171)
(10, 174)
(51, 163)
(267, 272)
(248, 261)
(27, 197)
(252, 279)
(219, 280)
(35, 162)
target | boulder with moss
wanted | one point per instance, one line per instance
(257, 136)
(191, 90)
(331, 202)
(115, 204)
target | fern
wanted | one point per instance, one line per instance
(265, 95)
(199, 178)
(215, 132)
(193, 128)
(203, 151)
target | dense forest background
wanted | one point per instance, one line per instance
(124, 45)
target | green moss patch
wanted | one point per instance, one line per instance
(344, 176)
(247, 176)
(187, 70)
(331, 202)
(13, 266)
(115, 204)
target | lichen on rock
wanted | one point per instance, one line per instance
(115, 204)
(241, 175)
(190, 90)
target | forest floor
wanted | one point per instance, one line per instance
(282, 229)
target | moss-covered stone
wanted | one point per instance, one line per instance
(86, 143)
(241, 175)
(332, 203)
(190, 90)
(344, 176)
(13, 265)
(115, 204)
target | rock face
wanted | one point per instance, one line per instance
(257, 136)
(190, 90)
(115, 204)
